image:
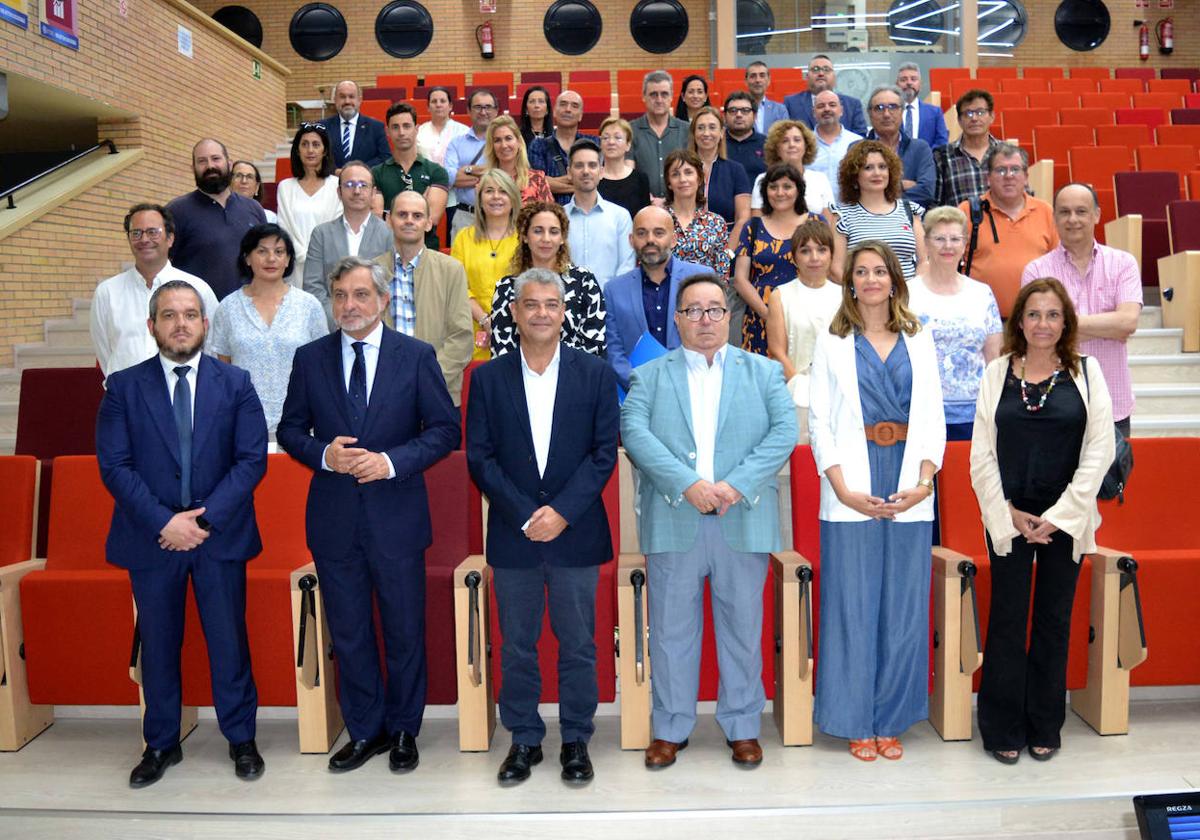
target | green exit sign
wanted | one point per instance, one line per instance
(256, 69)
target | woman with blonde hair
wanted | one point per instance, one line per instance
(791, 141)
(878, 435)
(504, 149)
(620, 181)
(486, 249)
(726, 186)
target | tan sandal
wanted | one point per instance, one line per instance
(863, 749)
(889, 747)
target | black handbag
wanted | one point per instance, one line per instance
(1117, 477)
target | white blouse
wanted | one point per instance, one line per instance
(300, 212)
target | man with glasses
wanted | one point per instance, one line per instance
(742, 142)
(658, 132)
(407, 169)
(767, 112)
(708, 427)
(959, 165)
(356, 233)
(463, 157)
(1007, 226)
(351, 135)
(552, 154)
(118, 316)
(821, 76)
(885, 106)
(920, 119)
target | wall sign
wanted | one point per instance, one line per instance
(58, 23)
(10, 15)
(183, 40)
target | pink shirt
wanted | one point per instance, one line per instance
(1112, 278)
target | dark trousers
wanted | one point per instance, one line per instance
(1022, 695)
(522, 596)
(348, 583)
(161, 596)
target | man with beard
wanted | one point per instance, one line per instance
(211, 220)
(367, 410)
(353, 136)
(182, 442)
(639, 303)
(920, 119)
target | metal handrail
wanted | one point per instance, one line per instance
(8, 193)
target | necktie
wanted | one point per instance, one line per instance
(358, 388)
(346, 139)
(908, 118)
(182, 407)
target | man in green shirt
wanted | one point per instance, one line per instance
(408, 170)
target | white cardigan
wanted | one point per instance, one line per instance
(1076, 511)
(838, 432)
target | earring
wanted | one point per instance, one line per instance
(853, 294)
(892, 292)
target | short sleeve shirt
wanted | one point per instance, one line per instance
(391, 180)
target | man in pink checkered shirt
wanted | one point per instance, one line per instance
(1105, 286)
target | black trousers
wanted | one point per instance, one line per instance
(1022, 695)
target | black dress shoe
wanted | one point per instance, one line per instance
(153, 765)
(247, 763)
(515, 768)
(356, 753)
(404, 753)
(576, 766)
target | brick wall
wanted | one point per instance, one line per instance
(521, 44)
(131, 63)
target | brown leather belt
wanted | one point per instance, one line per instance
(887, 433)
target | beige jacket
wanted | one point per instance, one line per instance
(443, 314)
(1076, 511)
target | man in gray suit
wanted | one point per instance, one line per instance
(708, 426)
(356, 233)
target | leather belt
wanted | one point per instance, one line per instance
(887, 433)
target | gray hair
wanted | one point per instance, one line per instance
(908, 65)
(882, 89)
(174, 286)
(1003, 150)
(541, 276)
(656, 76)
(347, 264)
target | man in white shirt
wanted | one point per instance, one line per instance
(833, 139)
(120, 304)
(599, 230)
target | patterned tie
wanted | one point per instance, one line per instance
(345, 139)
(358, 389)
(908, 118)
(182, 408)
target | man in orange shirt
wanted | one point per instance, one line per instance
(1008, 227)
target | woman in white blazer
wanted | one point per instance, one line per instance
(878, 434)
(1042, 442)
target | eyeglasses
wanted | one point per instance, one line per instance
(977, 113)
(356, 185)
(312, 126)
(1004, 171)
(153, 234)
(821, 68)
(734, 109)
(483, 109)
(886, 106)
(244, 176)
(695, 313)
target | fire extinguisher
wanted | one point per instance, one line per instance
(483, 35)
(1164, 31)
(1144, 42)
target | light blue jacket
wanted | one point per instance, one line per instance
(756, 431)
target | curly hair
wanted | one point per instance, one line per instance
(775, 136)
(521, 167)
(848, 318)
(523, 257)
(1014, 336)
(854, 162)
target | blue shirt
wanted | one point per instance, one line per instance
(599, 239)
(404, 301)
(829, 157)
(548, 155)
(748, 152)
(208, 237)
(466, 150)
(656, 302)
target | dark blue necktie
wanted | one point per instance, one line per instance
(358, 388)
(346, 140)
(182, 407)
(908, 119)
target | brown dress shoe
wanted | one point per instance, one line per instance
(661, 754)
(746, 753)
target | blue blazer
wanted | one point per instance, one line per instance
(137, 448)
(625, 318)
(933, 125)
(409, 418)
(370, 141)
(799, 107)
(583, 453)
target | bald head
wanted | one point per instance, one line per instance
(827, 108)
(652, 237)
(346, 99)
(568, 109)
(1076, 214)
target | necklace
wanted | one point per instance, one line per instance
(495, 243)
(1024, 390)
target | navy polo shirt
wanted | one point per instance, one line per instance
(748, 152)
(208, 237)
(656, 303)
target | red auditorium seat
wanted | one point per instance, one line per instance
(1058, 101)
(1096, 73)
(1019, 124)
(1132, 79)
(1169, 85)
(576, 76)
(1183, 220)
(1178, 135)
(18, 507)
(1091, 117)
(1026, 85)
(1109, 100)
(1074, 85)
(1147, 194)
(1186, 116)
(1129, 136)
(406, 80)
(386, 94)
(1146, 116)
(996, 73)
(541, 77)
(1191, 74)
(1051, 73)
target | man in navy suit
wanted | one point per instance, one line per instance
(353, 136)
(541, 444)
(367, 409)
(920, 120)
(821, 76)
(182, 442)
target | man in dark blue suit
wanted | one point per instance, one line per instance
(920, 120)
(367, 409)
(821, 76)
(181, 441)
(541, 444)
(351, 135)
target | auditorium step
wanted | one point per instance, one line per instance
(1150, 317)
(67, 342)
(1164, 425)
(1183, 368)
(1160, 399)
(1156, 341)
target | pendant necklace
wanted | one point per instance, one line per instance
(1032, 407)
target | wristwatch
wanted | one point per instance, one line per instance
(926, 482)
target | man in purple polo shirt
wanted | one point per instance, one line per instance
(1105, 287)
(211, 220)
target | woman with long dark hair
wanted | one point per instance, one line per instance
(310, 196)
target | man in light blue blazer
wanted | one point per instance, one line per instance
(642, 301)
(708, 427)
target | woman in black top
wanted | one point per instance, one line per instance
(693, 95)
(620, 182)
(535, 115)
(1042, 441)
